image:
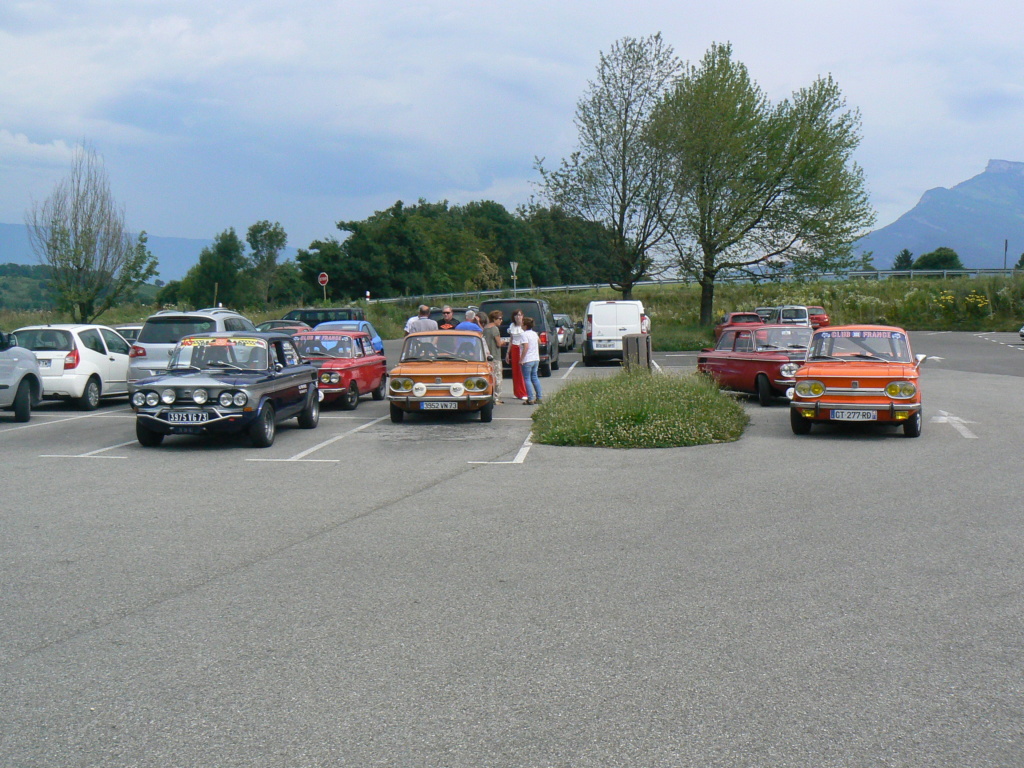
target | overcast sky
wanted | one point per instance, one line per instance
(221, 113)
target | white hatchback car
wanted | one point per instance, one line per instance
(78, 362)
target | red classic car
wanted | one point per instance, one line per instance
(858, 373)
(760, 360)
(818, 317)
(737, 318)
(348, 365)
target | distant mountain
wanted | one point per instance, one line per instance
(974, 218)
(175, 255)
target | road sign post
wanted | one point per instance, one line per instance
(322, 279)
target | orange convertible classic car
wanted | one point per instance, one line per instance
(442, 371)
(858, 373)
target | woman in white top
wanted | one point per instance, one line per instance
(530, 347)
(515, 333)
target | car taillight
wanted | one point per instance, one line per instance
(72, 359)
(543, 337)
(137, 351)
(590, 326)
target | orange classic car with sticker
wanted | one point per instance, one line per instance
(858, 373)
(442, 371)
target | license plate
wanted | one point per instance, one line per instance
(44, 363)
(505, 339)
(604, 345)
(187, 417)
(439, 406)
(854, 415)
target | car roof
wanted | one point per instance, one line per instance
(267, 335)
(860, 327)
(65, 326)
(452, 332)
(333, 332)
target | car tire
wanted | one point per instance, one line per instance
(487, 413)
(912, 426)
(545, 369)
(90, 399)
(588, 361)
(310, 415)
(263, 430)
(764, 391)
(350, 399)
(381, 391)
(800, 425)
(397, 414)
(23, 402)
(556, 362)
(147, 437)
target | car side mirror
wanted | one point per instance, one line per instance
(490, 358)
(6, 341)
(920, 359)
(278, 367)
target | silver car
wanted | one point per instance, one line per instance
(21, 386)
(162, 331)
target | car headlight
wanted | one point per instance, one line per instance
(475, 383)
(152, 398)
(419, 389)
(457, 390)
(200, 396)
(167, 396)
(400, 384)
(225, 399)
(139, 399)
(325, 378)
(901, 389)
(241, 399)
(789, 369)
(810, 388)
(335, 378)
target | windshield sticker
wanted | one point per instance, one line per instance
(860, 335)
(206, 342)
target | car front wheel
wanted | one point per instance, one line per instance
(764, 390)
(263, 430)
(397, 414)
(382, 388)
(310, 415)
(800, 425)
(487, 413)
(147, 437)
(912, 426)
(350, 399)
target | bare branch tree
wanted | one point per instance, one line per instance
(79, 233)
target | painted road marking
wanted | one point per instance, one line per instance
(520, 456)
(302, 455)
(90, 455)
(957, 423)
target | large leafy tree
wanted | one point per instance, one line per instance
(266, 242)
(575, 250)
(757, 187)
(79, 232)
(940, 258)
(616, 177)
(220, 276)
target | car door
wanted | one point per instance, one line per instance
(117, 353)
(714, 362)
(94, 357)
(293, 381)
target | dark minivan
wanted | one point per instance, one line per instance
(543, 323)
(313, 316)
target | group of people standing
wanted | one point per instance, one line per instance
(523, 341)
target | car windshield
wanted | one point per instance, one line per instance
(768, 339)
(745, 318)
(323, 345)
(883, 346)
(171, 328)
(816, 310)
(341, 325)
(233, 353)
(468, 347)
(45, 339)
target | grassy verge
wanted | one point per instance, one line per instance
(639, 409)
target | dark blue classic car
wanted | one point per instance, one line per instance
(227, 382)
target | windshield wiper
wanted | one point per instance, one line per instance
(185, 367)
(223, 364)
(416, 359)
(827, 357)
(868, 356)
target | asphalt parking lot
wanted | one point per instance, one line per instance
(445, 593)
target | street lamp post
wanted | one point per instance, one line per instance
(515, 266)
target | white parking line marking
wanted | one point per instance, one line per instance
(574, 364)
(655, 364)
(46, 423)
(89, 455)
(957, 423)
(302, 456)
(520, 456)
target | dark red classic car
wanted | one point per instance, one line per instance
(761, 359)
(348, 365)
(737, 318)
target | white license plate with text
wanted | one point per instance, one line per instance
(439, 406)
(847, 415)
(187, 417)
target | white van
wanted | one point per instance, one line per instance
(605, 325)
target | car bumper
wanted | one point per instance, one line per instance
(823, 410)
(218, 420)
(65, 385)
(427, 404)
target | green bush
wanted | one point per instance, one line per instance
(639, 409)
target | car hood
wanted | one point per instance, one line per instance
(204, 379)
(825, 369)
(441, 368)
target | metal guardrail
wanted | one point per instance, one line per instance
(873, 274)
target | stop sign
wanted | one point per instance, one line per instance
(322, 278)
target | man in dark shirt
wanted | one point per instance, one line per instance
(447, 321)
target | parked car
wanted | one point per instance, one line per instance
(607, 322)
(458, 315)
(818, 317)
(313, 316)
(1021, 333)
(129, 331)
(737, 318)
(759, 359)
(763, 313)
(163, 330)
(21, 384)
(858, 373)
(285, 326)
(227, 382)
(348, 365)
(363, 326)
(543, 324)
(82, 362)
(442, 371)
(566, 332)
(789, 315)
